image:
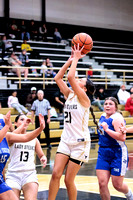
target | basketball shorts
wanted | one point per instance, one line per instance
(78, 152)
(114, 160)
(18, 179)
(4, 187)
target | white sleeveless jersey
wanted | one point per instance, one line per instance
(22, 156)
(76, 119)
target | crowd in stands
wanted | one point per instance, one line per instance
(31, 31)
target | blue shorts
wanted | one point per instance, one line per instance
(113, 159)
(4, 187)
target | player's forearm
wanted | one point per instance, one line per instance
(71, 73)
(116, 135)
(62, 71)
(130, 130)
(31, 135)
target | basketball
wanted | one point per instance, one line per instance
(84, 40)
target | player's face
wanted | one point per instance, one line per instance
(109, 107)
(21, 120)
(82, 82)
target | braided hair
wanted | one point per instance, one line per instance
(91, 90)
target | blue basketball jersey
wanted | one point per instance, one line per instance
(4, 155)
(4, 149)
(112, 154)
(105, 140)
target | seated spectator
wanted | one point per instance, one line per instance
(13, 30)
(15, 62)
(129, 104)
(23, 57)
(49, 72)
(59, 101)
(26, 46)
(33, 30)
(123, 95)
(100, 94)
(96, 102)
(14, 103)
(23, 31)
(30, 98)
(43, 32)
(57, 36)
(6, 46)
(44, 67)
(90, 72)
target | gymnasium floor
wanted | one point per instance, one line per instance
(86, 180)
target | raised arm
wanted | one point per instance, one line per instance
(82, 96)
(13, 137)
(59, 78)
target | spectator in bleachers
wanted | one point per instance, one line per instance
(15, 62)
(43, 107)
(13, 30)
(33, 30)
(123, 95)
(100, 94)
(23, 57)
(44, 67)
(59, 101)
(49, 71)
(23, 31)
(43, 32)
(13, 102)
(96, 102)
(31, 98)
(129, 104)
(90, 72)
(6, 46)
(26, 46)
(57, 36)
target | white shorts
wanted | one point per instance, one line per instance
(78, 152)
(18, 179)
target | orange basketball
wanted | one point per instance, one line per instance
(84, 40)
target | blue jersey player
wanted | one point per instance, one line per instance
(112, 154)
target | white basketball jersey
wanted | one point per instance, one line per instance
(22, 156)
(76, 119)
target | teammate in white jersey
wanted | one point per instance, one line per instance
(74, 146)
(6, 138)
(21, 174)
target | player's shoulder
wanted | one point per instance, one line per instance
(117, 115)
